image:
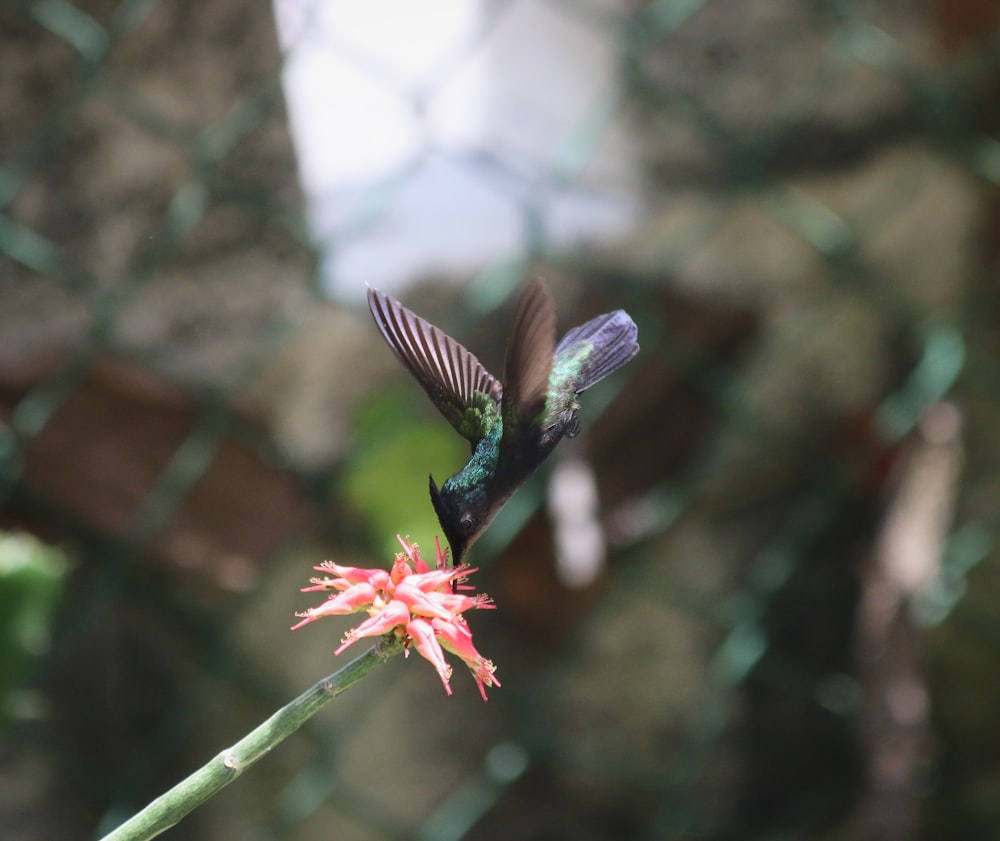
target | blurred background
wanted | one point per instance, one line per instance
(753, 599)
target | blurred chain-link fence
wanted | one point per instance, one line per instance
(784, 627)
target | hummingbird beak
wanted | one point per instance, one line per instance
(457, 543)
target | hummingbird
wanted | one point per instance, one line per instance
(512, 425)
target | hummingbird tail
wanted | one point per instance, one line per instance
(599, 347)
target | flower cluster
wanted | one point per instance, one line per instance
(418, 604)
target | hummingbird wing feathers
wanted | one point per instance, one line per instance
(588, 353)
(528, 361)
(457, 383)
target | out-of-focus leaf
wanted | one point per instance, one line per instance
(31, 580)
(386, 478)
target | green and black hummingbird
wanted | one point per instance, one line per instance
(512, 425)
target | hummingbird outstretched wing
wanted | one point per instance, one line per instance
(457, 383)
(528, 362)
(590, 352)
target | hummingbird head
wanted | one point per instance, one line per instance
(461, 516)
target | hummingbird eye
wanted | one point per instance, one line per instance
(466, 522)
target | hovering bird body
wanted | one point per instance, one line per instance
(512, 426)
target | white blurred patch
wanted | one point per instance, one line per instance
(574, 509)
(441, 136)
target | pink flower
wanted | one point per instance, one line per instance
(417, 603)
(457, 638)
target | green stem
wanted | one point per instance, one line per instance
(218, 772)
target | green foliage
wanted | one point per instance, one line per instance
(31, 580)
(386, 477)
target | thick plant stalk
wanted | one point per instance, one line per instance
(187, 795)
